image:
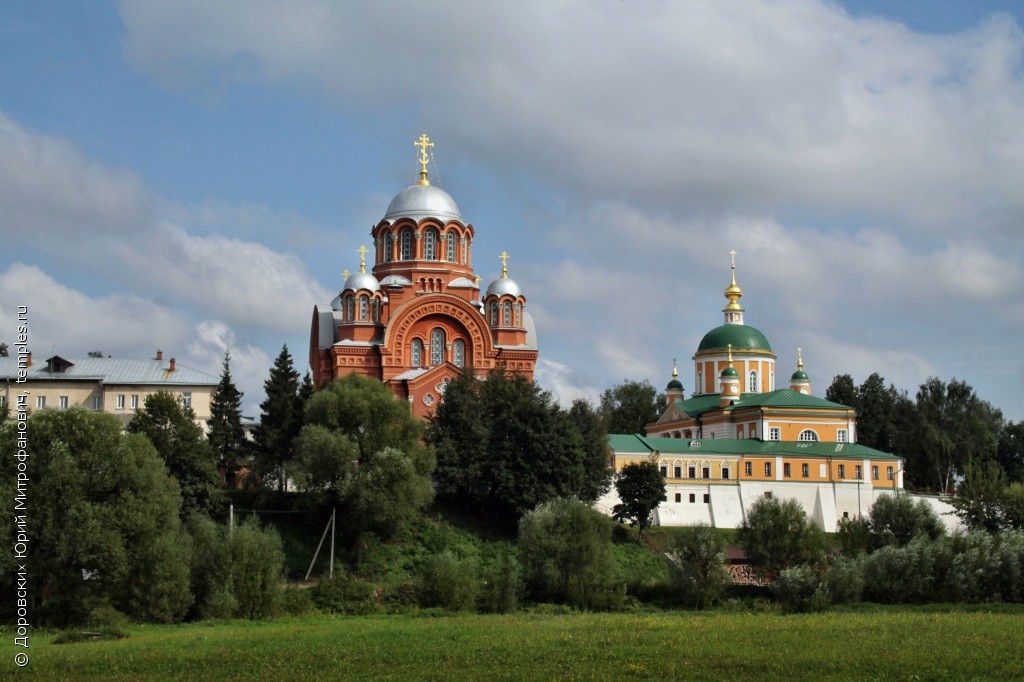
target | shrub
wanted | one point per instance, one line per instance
(257, 567)
(777, 534)
(448, 582)
(897, 519)
(798, 590)
(296, 601)
(844, 580)
(895, 575)
(345, 593)
(564, 547)
(503, 586)
(697, 565)
(1009, 561)
(855, 536)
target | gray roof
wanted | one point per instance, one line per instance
(423, 201)
(503, 286)
(112, 371)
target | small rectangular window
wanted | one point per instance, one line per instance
(707, 498)
(120, 401)
(747, 469)
(767, 468)
(774, 433)
(63, 402)
(842, 471)
(40, 402)
(725, 473)
(858, 472)
(678, 472)
(805, 470)
(786, 472)
(664, 472)
(874, 472)
(186, 399)
(693, 498)
(692, 471)
(889, 473)
(841, 436)
(97, 402)
(768, 495)
(679, 497)
(705, 472)
(135, 402)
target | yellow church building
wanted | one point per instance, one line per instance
(738, 438)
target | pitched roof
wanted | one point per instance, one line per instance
(744, 446)
(111, 371)
(783, 397)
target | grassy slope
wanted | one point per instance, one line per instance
(877, 644)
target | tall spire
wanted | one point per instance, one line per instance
(423, 143)
(504, 264)
(733, 310)
(675, 371)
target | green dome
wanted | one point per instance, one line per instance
(674, 385)
(729, 373)
(799, 375)
(741, 337)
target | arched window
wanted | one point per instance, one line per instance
(430, 245)
(459, 353)
(406, 244)
(451, 247)
(494, 314)
(350, 308)
(808, 436)
(376, 309)
(752, 382)
(519, 314)
(364, 307)
(700, 382)
(417, 353)
(437, 347)
(389, 247)
(506, 315)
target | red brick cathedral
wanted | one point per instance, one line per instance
(418, 318)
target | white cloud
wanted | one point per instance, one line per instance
(249, 364)
(73, 323)
(565, 384)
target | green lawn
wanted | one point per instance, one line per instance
(899, 644)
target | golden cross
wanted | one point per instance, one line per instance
(345, 274)
(733, 254)
(423, 143)
(504, 263)
(675, 372)
(730, 354)
(799, 358)
(362, 257)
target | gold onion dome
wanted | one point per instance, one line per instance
(733, 291)
(675, 384)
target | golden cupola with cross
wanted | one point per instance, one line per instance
(418, 317)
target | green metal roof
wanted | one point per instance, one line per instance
(620, 443)
(674, 385)
(740, 336)
(782, 397)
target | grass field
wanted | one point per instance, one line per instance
(897, 644)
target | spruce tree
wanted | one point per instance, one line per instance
(280, 421)
(225, 426)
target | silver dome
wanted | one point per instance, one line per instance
(423, 201)
(336, 303)
(462, 283)
(395, 281)
(362, 280)
(504, 286)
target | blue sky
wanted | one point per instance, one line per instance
(194, 176)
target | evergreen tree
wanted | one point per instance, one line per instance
(843, 391)
(225, 426)
(280, 421)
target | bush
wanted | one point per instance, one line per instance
(799, 590)
(345, 593)
(503, 586)
(844, 580)
(855, 536)
(296, 601)
(896, 575)
(897, 519)
(777, 534)
(448, 582)
(697, 565)
(564, 547)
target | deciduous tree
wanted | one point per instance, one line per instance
(776, 534)
(171, 427)
(630, 406)
(641, 488)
